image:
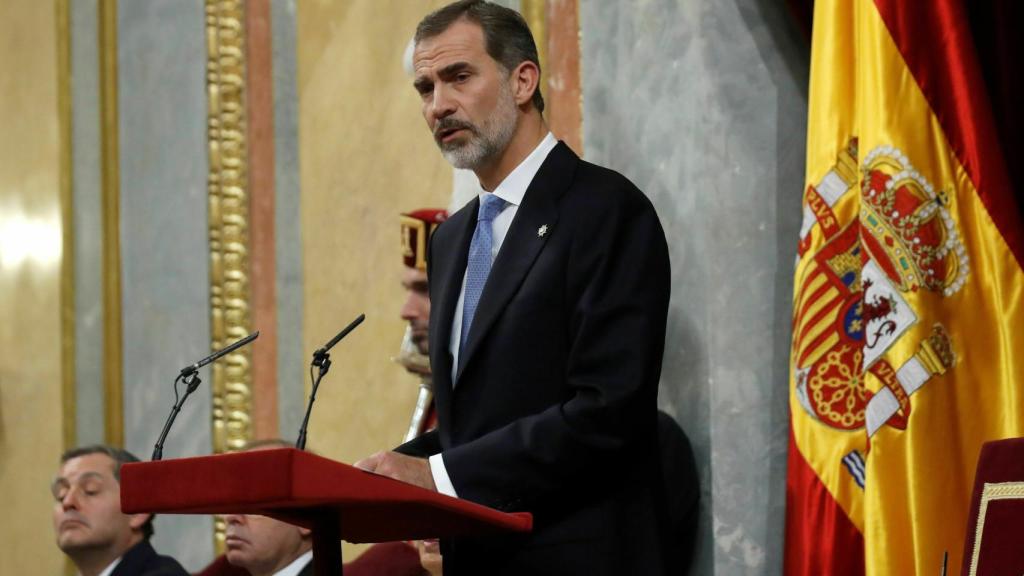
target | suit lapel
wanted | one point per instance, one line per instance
(449, 277)
(524, 241)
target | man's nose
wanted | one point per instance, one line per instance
(70, 499)
(443, 104)
(408, 311)
(233, 518)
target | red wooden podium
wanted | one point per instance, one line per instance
(334, 500)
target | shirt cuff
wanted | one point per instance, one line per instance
(440, 474)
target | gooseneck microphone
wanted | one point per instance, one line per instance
(190, 376)
(193, 368)
(322, 360)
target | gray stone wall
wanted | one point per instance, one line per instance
(702, 103)
(164, 247)
(87, 224)
(292, 360)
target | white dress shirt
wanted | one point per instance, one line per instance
(511, 190)
(109, 569)
(296, 566)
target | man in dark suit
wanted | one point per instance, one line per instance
(264, 546)
(550, 294)
(90, 527)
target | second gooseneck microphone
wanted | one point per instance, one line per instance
(322, 360)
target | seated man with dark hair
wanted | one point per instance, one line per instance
(90, 527)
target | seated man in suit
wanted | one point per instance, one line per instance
(87, 518)
(264, 546)
(549, 299)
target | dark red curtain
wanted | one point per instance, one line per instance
(996, 26)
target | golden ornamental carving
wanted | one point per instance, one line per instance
(228, 193)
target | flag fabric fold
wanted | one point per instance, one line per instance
(908, 351)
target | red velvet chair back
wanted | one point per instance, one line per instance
(993, 542)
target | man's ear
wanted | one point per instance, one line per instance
(305, 533)
(137, 521)
(525, 77)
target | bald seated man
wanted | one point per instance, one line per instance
(91, 529)
(264, 546)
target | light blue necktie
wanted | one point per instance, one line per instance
(479, 264)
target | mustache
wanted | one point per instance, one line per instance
(447, 124)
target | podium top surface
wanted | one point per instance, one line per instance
(302, 488)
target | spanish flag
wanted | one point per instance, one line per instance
(908, 308)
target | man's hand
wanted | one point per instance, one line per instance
(400, 467)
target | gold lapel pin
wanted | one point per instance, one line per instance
(542, 231)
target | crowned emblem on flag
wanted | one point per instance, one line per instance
(852, 303)
(908, 229)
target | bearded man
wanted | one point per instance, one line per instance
(549, 300)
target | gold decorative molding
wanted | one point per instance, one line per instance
(227, 187)
(535, 14)
(229, 221)
(67, 260)
(110, 158)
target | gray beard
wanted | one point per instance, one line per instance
(486, 142)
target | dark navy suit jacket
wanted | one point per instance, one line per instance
(142, 560)
(554, 406)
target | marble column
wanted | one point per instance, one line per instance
(702, 104)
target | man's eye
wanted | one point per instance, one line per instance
(91, 489)
(462, 77)
(58, 491)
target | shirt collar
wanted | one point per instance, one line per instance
(110, 568)
(513, 187)
(296, 566)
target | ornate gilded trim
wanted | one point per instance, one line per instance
(110, 158)
(67, 260)
(229, 221)
(995, 491)
(535, 14)
(228, 190)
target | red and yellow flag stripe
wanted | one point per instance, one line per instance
(893, 393)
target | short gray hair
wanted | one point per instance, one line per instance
(507, 37)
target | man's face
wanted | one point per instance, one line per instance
(87, 508)
(467, 96)
(416, 310)
(261, 545)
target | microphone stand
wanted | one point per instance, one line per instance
(324, 364)
(322, 361)
(192, 382)
(190, 376)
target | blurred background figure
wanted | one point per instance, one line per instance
(405, 558)
(264, 546)
(417, 227)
